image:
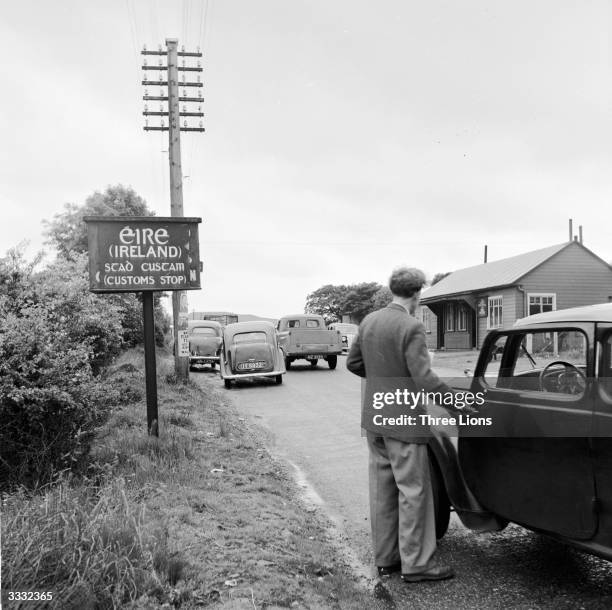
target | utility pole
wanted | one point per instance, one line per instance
(180, 310)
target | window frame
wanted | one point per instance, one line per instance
(500, 298)
(540, 295)
(506, 363)
(461, 322)
(426, 318)
(449, 317)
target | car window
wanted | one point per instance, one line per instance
(211, 332)
(312, 324)
(540, 361)
(293, 324)
(494, 357)
(252, 337)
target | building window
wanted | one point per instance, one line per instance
(495, 312)
(449, 317)
(539, 303)
(462, 316)
(426, 319)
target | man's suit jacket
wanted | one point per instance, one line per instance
(390, 351)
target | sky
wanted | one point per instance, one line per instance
(343, 138)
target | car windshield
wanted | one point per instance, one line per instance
(252, 337)
(204, 330)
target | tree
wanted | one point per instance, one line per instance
(382, 298)
(438, 277)
(360, 299)
(67, 231)
(328, 301)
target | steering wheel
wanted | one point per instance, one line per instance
(570, 381)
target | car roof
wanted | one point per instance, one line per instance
(601, 312)
(250, 326)
(300, 316)
(205, 323)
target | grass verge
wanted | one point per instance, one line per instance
(201, 517)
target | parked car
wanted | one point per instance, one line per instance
(348, 332)
(544, 461)
(304, 337)
(204, 343)
(250, 349)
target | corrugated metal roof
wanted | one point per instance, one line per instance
(489, 275)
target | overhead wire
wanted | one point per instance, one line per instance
(134, 34)
(200, 38)
(191, 14)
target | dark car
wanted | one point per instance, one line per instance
(545, 459)
(204, 343)
(251, 350)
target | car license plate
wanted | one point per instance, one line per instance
(315, 356)
(259, 364)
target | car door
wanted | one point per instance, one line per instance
(602, 433)
(533, 464)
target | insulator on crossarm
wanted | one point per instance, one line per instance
(199, 79)
(161, 107)
(146, 108)
(184, 92)
(183, 62)
(199, 93)
(146, 92)
(146, 77)
(183, 49)
(163, 123)
(159, 47)
(199, 64)
(146, 122)
(199, 108)
(145, 61)
(201, 124)
(160, 77)
(184, 123)
(184, 108)
(197, 49)
(160, 62)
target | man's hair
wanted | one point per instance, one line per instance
(406, 282)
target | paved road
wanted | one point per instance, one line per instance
(313, 421)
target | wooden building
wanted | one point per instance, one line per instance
(469, 302)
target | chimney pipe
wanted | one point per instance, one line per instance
(571, 229)
(580, 233)
(485, 254)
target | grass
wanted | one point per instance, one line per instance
(200, 517)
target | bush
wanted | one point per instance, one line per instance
(54, 337)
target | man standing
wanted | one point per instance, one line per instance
(391, 353)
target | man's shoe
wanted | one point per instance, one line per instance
(435, 573)
(388, 570)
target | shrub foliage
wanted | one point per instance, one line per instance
(54, 338)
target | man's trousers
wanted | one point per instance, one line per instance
(401, 504)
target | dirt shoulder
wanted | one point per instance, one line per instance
(202, 517)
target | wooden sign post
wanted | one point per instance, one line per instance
(144, 254)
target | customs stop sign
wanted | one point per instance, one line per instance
(143, 253)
